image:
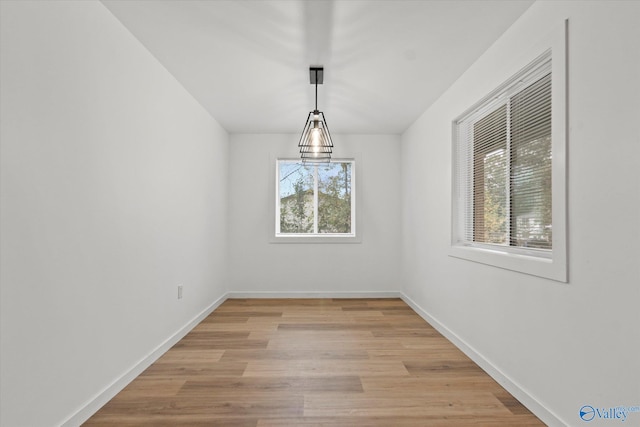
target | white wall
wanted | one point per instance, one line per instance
(564, 345)
(258, 266)
(114, 186)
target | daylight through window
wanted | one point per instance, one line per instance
(315, 199)
(504, 165)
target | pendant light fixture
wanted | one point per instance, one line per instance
(315, 142)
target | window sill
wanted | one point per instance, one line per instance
(543, 265)
(328, 238)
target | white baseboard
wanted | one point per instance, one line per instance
(314, 294)
(84, 413)
(494, 372)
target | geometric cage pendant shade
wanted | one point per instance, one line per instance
(315, 142)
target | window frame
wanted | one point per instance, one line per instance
(353, 237)
(551, 264)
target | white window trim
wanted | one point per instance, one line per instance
(548, 264)
(354, 237)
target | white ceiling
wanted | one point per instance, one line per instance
(247, 62)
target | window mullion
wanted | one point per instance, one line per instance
(509, 174)
(315, 200)
(277, 195)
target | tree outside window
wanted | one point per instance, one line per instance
(315, 199)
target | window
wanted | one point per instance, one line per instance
(504, 173)
(315, 199)
(511, 168)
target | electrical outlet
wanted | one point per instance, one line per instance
(179, 291)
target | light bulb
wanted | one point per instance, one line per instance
(315, 139)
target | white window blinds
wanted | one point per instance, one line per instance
(503, 165)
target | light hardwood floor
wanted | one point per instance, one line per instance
(314, 362)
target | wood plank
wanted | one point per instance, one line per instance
(251, 313)
(294, 354)
(294, 385)
(344, 344)
(336, 314)
(334, 326)
(319, 367)
(213, 318)
(434, 383)
(221, 344)
(221, 406)
(438, 351)
(379, 308)
(185, 356)
(437, 366)
(189, 370)
(311, 335)
(152, 387)
(422, 404)
(326, 317)
(239, 327)
(401, 332)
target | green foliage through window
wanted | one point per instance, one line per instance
(315, 199)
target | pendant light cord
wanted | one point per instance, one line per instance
(316, 90)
